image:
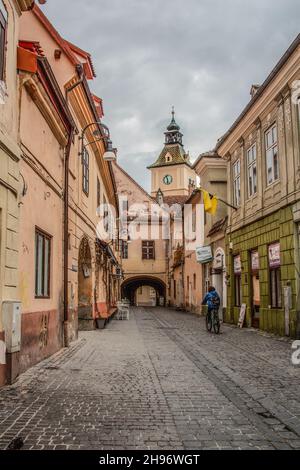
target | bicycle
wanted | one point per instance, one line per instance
(213, 321)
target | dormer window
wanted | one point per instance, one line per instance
(168, 159)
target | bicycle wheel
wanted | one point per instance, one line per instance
(216, 322)
(208, 322)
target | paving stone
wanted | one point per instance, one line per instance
(158, 381)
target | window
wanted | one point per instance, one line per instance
(85, 171)
(272, 155)
(252, 173)
(98, 193)
(141, 290)
(174, 288)
(237, 183)
(42, 264)
(194, 220)
(195, 282)
(124, 249)
(3, 26)
(148, 250)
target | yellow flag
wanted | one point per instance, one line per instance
(210, 202)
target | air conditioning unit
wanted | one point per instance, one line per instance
(11, 316)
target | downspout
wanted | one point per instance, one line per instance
(66, 215)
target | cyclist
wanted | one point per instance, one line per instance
(212, 300)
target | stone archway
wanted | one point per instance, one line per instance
(85, 287)
(130, 286)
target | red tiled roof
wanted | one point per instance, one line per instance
(69, 49)
(171, 200)
(217, 227)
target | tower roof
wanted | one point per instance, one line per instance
(173, 152)
(173, 126)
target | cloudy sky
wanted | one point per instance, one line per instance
(199, 55)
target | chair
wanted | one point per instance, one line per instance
(123, 311)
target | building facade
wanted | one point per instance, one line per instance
(143, 248)
(262, 240)
(68, 275)
(10, 14)
(212, 171)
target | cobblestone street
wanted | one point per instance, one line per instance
(159, 381)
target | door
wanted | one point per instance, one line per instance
(255, 289)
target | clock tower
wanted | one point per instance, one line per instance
(172, 173)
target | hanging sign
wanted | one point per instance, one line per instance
(255, 261)
(237, 265)
(274, 255)
(204, 254)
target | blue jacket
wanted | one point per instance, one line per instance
(212, 300)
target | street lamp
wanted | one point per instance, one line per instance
(110, 152)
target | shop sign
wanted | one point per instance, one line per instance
(274, 255)
(237, 265)
(204, 254)
(218, 262)
(255, 261)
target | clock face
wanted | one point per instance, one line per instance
(168, 179)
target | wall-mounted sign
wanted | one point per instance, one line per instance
(218, 263)
(254, 261)
(237, 265)
(204, 254)
(274, 255)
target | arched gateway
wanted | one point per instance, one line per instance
(154, 291)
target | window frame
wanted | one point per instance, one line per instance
(270, 148)
(252, 187)
(45, 236)
(147, 247)
(236, 179)
(124, 249)
(3, 39)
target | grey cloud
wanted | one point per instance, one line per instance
(200, 55)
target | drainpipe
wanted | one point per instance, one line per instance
(66, 215)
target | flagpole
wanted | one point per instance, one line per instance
(219, 199)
